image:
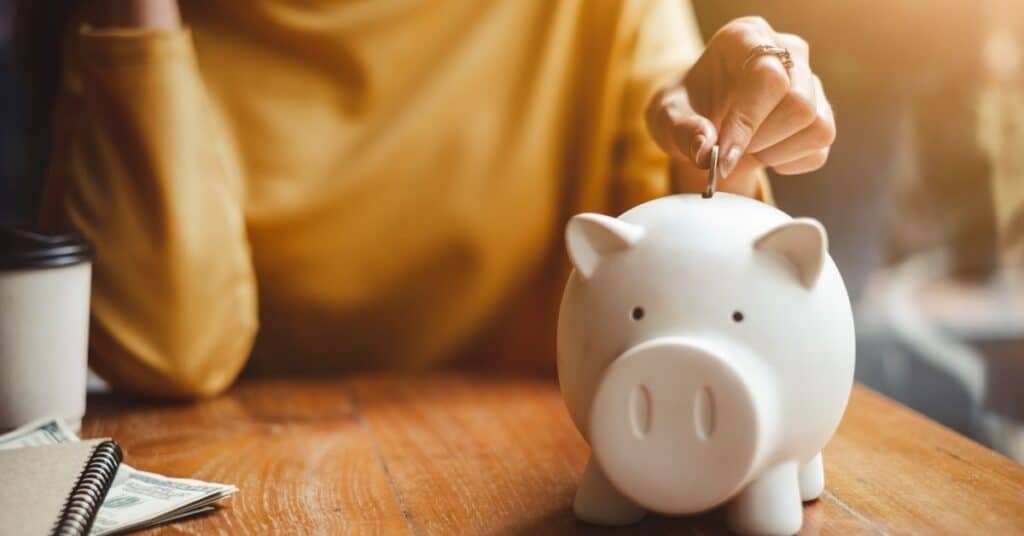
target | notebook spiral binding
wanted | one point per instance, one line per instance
(86, 497)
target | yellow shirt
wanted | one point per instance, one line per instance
(339, 185)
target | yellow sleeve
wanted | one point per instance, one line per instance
(143, 173)
(667, 43)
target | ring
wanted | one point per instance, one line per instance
(766, 50)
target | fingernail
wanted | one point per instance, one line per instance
(732, 157)
(696, 145)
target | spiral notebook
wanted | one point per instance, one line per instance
(55, 489)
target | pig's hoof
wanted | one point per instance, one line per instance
(769, 506)
(812, 479)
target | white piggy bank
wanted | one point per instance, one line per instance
(706, 353)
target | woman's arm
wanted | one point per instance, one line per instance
(142, 169)
(666, 46)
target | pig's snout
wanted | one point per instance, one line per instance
(678, 427)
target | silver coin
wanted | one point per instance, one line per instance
(712, 173)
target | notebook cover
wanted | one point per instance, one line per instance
(35, 483)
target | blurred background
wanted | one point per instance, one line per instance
(923, 195)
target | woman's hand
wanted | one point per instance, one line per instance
(760, 114)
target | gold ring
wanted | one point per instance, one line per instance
(769, 50)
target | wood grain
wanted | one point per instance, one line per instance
(298, 452)
(463, 454)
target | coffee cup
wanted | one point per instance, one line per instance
(44, 326)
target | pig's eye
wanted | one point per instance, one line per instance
(737, 316)
(638, 313)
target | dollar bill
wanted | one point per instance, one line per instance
(137, 499)
(37, 433)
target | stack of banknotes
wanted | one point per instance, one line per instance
(136, 499)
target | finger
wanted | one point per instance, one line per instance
(762, 86)
(678, 129)
(746, 167)
(812, 162)
(821, 133)
(798, 108)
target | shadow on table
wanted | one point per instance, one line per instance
(563, 521)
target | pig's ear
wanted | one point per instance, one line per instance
(803, 243)
(591, 237)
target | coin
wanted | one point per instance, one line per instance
(712, 174)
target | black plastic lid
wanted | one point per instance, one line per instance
(21, 248)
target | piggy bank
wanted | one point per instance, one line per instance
(706, 354)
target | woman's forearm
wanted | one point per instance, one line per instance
(151, 181)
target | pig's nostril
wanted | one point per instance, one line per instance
(704, 413)
(640, 410)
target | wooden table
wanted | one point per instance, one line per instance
(462, 454)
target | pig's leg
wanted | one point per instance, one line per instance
(812, 479)
(599, 503)
(769, 505)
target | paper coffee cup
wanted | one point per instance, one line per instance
(44, 326)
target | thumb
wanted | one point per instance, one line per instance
(679, 130)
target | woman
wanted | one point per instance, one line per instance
(339, 185)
